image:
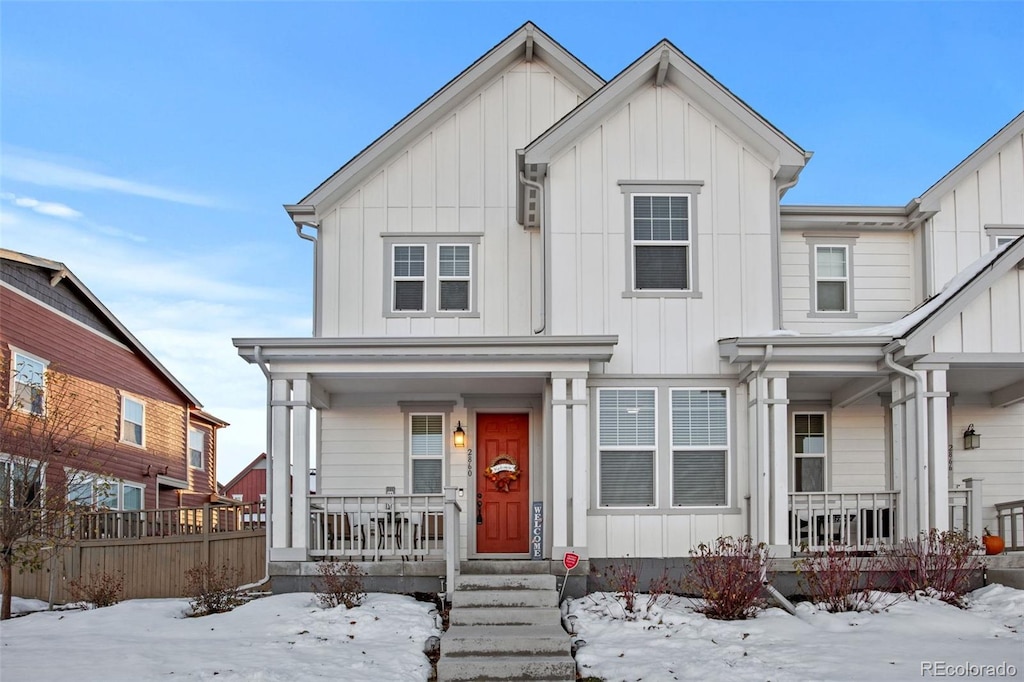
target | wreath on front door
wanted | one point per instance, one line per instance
(502, 472)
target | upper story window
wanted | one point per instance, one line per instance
(660, 228)
(196, 448)
(627, 443)
(133, 421)
(28, 383)
(700, 447)
(430, 275)
(831, 276)
(1000, 235)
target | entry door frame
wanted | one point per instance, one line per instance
(530, 406)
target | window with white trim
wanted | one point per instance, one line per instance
(627, 446)
(453, 277)
(661, 242)
(133, 421)
(21, 482)
(28, 383)
(426, 453)
(700, 447)
(104, 493)
(809, 452)
(409, 271)
(196, 448)
(831, 278)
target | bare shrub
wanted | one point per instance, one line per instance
(99, 589)
(340, 584)
(659, 586)
(213, 590)
(728, 575)
(623, 579)
(835, 579)
(934, 562)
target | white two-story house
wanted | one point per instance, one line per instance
(555, 313)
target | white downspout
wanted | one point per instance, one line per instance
(316, 275)
(543, 250)
(921, 427)
(776, 247)
(258, 355)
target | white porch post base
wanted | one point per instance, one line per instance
(288, 554)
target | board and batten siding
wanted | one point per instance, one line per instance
(992, 195)
(459, 177)
(991, 323)
(660, 134)
(857, 457)
(998, 461)
(883, 276)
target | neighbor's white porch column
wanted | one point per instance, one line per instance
(778, 460)
(280, 461)
(559, 466)
(300, 464)
(938, 448)
(580, 462)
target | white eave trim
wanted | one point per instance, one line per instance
(171, 482)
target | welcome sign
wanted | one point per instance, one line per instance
(537, 532)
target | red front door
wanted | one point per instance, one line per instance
(502, 483)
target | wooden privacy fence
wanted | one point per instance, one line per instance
(152, 549)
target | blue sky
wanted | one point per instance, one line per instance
(150, 146)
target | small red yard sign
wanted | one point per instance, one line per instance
(570, 560)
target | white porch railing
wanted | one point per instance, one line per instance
(965, 507)
(377, 527)
(1010, 517)
(857, 520)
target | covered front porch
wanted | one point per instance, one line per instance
(376, 419)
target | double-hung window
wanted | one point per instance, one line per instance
(700, 447)
(196, 448)
(105, 493)
(831, 278)
(627, 445)
(133, 421)
(28, 390)
(431, 275)
(409, 271)
(453, 276)
(661, 242)
(21, 483)
(809, 452)
(426, 450)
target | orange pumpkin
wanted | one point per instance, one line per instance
(993, 543)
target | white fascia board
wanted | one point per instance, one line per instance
(694, 81)
(445, 100)
(837, 217)
(930, 200)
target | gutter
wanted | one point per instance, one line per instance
(920, 425)
(543, 250)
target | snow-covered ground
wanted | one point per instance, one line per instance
(906, 640)
(282, 637)
(291, 637)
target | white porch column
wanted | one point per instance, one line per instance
(300, 464)
(580, 462)
(938, 449)
(905, 449)
(758, 441)
(559, 473)
(778, 456)
(280, 461)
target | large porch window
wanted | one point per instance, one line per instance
(628, 443)
(700, 447)
(809, 452)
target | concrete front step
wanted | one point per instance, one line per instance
(504, 598)
(506, 668)
(504, 566)
(506, 640)
(506, 616)
(505, 582)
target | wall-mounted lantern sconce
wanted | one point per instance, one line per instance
(972, 440)
(459, 437)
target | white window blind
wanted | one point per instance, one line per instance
(133, 416)
(831, 278)
(661, 242)
(627, 440)
(409, 272)
(196, 448)
(426, 443)
(453, 271)
(700, 447)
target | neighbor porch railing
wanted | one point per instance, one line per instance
(1010, 519)
(377, 527)
(856, 520)
(965, 507)
(173, 521)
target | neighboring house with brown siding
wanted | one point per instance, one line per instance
(157, 447)
(250, 484)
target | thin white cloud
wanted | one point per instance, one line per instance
(49, 208)
(45, 173)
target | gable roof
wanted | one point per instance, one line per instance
(527, 40)
(929, 201)
(245, 470)
(667, 63)
(61, 272)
